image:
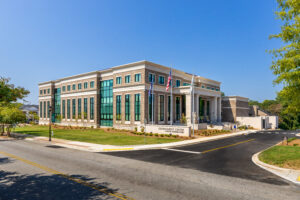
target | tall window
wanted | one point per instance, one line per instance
(79, 108)
(63, 88)
(177, 108)
(41, 91)
(106, 102)
(79, 86)
(161, 108)
(69, 87)
(137, 77)
(119, 80)
(44, 109)
(137, 107)
(161, 80)
(150, 106)
(201, 107)
(92, 83)
(73, 87)
(48, 109)
(45, 91)
(73, 108)
(207, 108)
(118, 107)
(85, 85)
(64, 109)
(68, 109)
(127, 79)
(169, 108)
(151, 76)
(85, 110)
(41, 109)
(127, 107)
(91, 108)
(177, 83)
(48, 91)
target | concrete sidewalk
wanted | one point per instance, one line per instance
(104, 148)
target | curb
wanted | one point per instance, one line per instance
(287, 174)
(84, 146)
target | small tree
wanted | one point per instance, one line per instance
(11, 115)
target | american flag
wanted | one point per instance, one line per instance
(169, 80)
(151, 87)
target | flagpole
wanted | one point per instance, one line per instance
(171, 117)
(152, 101)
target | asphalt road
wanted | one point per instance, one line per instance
(221, 157)
(32, 170)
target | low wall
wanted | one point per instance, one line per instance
(255, 122)
(184, 131)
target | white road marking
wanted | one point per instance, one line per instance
(194, 152)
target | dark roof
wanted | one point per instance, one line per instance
(33, 108)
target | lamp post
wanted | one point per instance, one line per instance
(50, 115)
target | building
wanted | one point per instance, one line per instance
(236, 109)
(118, 97)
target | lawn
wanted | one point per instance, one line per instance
(98, 136)
(282, 156)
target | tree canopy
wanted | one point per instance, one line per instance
(9, 93)
(286, 59)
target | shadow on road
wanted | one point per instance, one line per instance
(40, 186)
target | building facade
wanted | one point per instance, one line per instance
(233, 107)
(119, 97)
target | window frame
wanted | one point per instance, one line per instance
(137, 107)
(127, 107)
(129, 79)
(139, 75)
(159, 79)
(118, 80)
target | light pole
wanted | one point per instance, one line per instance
(50, 115)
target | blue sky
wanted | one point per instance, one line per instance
(221, 40)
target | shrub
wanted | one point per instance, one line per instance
(135, 129)
(151, 134)
(156, 134)
(142, 129)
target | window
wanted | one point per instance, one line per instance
(44, 109)
(208, 87)
(57, 106)
(177, 83)
(137, 107)
(119, 80)
(63, 88)
(85, 110)
(41, 91)
(91, 108)
(127, 79)
(127, 107)
(73, 87)
(118, 107)
(79, 86)
(106, 102)
(217, 89)
(161, 80)
(177, 108)
(151, 76)
(203, 86)
(44, 91)
(41, 109)
(212, 88)
(161, 108)
(207, 108)
(92, 83)
(137, 77)
(79, 108)
(64, 109)
(150, 106)
(48, 91)
(186, 84)
(85, 85)
(68, 109)
(48, 109)
(69, 87)
(73, 108)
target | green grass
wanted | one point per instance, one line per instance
(282, 156)
(291, 139)
(97, 136)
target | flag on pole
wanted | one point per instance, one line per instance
(151, 87)
(169, 80)
(192, 83)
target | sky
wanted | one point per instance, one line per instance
(221, 40)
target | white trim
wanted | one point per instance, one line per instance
(131, 88)
(116, 71)
(127, 122)
(45, 97)
(137, 122)
(46, 85)
(83, 93)
(78, 79)
(105, 74)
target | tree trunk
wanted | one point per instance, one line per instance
(2, 129)
(8, 131)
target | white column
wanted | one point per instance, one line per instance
(188, 108)
(197, 106)
(219, 109)
(213, 109)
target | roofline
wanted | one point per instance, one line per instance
(145, 62)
